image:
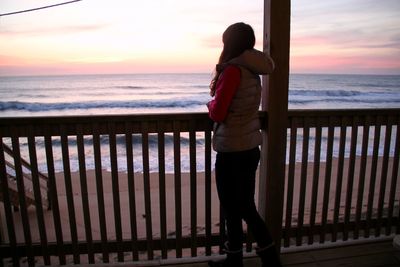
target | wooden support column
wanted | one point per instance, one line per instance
(275, 102)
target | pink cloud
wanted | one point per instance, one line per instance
(344, 64)
(308, 40)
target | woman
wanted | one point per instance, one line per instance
(236, 89)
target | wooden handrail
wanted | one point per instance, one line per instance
(28, 177)
(24, 163)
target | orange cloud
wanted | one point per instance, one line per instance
(12, 67)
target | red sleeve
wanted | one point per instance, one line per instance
(226, 88)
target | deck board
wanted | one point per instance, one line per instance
(360, 255)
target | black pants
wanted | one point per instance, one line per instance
(235, 177)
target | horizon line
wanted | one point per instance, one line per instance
(188, 73)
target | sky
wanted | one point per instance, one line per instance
(167, 36)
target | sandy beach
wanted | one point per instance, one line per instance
(124, 204)
(346, 179)
(185, 188)
(184, 194)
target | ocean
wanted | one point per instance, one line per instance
(154, 93)
(171, 93)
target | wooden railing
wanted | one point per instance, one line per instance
(342, 178)
(87, 217)
(12, 185)
(338, 186)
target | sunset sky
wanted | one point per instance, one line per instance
(126, 36)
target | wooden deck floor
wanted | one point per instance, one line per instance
(375, 254)
(362, 255)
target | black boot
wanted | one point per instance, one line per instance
(269, 256)
(233, 259)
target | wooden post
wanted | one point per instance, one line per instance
(275, 102)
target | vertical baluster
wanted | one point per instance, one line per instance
(146, 184)
(384, 174)
(21, 196)
(115, 190)
(361, 177)
(398, 224)
(38, 195)
(303, 182)
(7, 204)
(339, 179)
(314, 194)
(371, 193)
(100, 192)
(2, 257)
(162, 191)
(350, 177)
(208, 204)
(327, 182)
(178, 193)
(54, 196)
(131, 189)
(396, 167)
(84, 192)
(290, 183)
(395, 171)
(193, 189)
(69, 193)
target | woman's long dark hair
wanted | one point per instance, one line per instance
(237, 38)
